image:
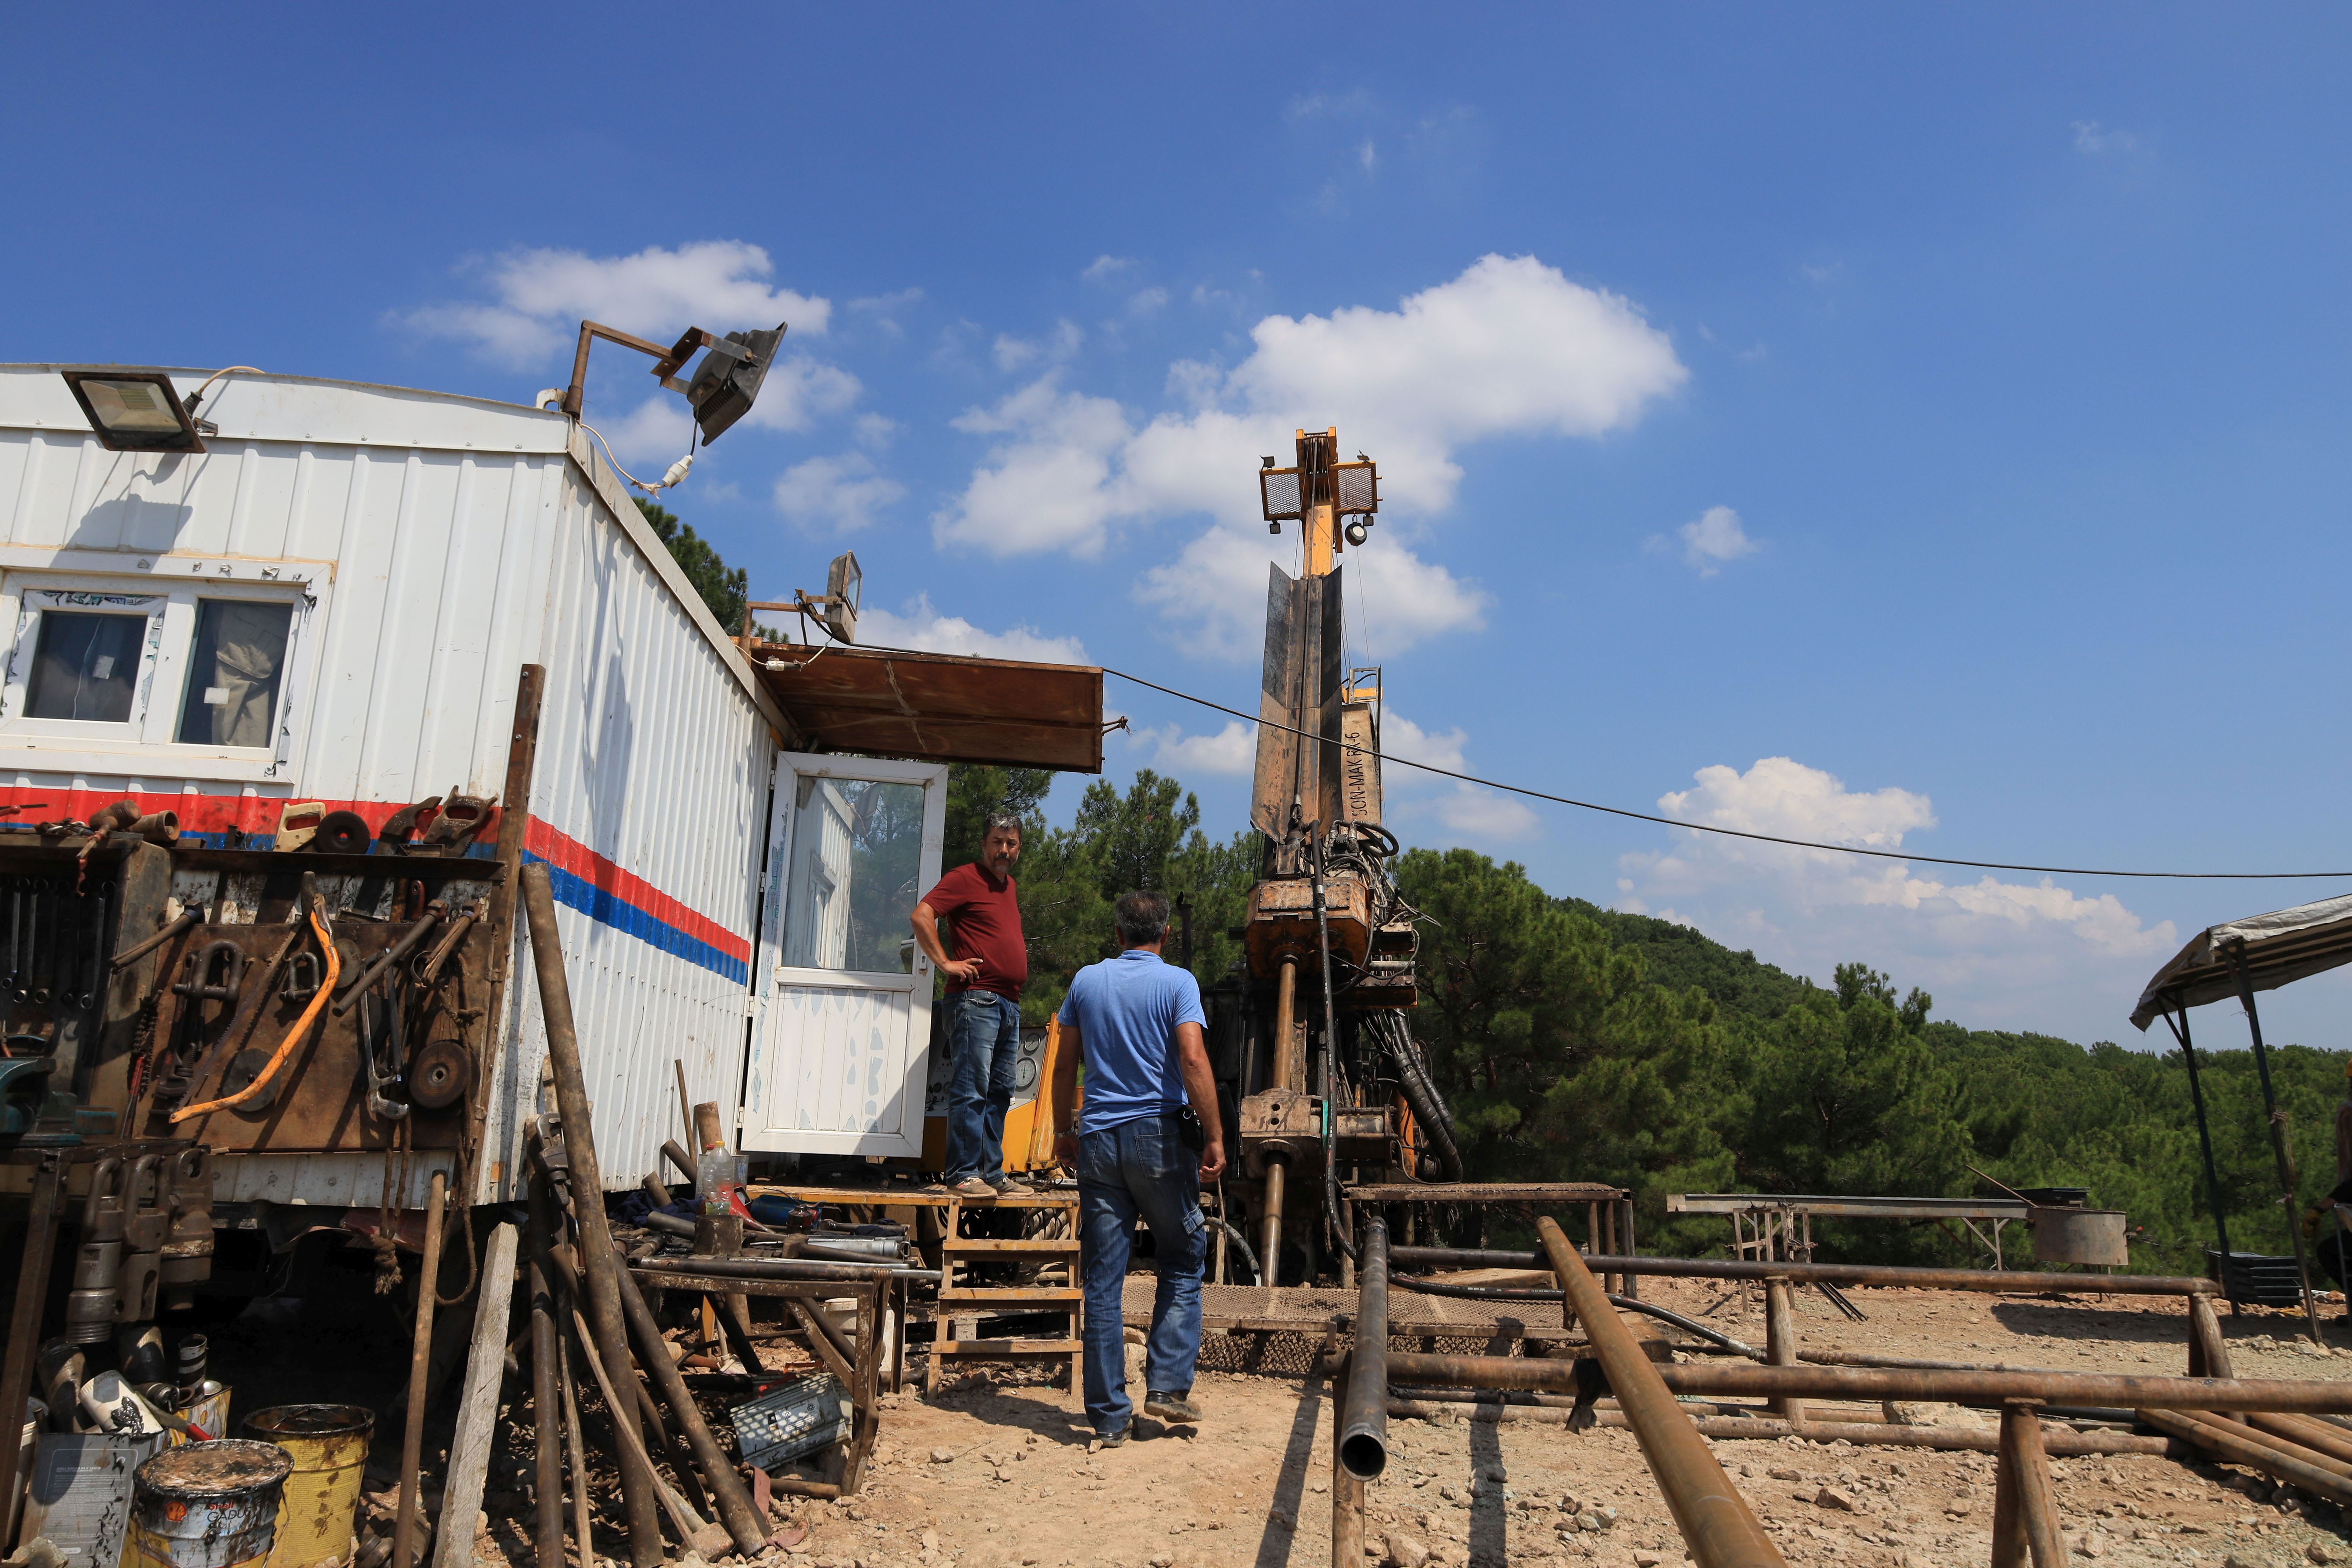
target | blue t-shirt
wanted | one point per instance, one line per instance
(1126, 1010)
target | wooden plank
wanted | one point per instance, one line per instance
(1014, 1293)
(477, 1411)
(999, 1349)
(964, 1246)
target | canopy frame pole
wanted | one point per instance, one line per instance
(2205, 1139)
(2278, 1139)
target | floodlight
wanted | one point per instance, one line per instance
(134, 410)
(844, 585)
(729, 379)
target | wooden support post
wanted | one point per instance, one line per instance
(412, 1442)
(2025, 1512)
(1780, 1343)
(478, 1408)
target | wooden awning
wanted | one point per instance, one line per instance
(937, 707)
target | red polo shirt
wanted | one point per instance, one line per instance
(986, 916)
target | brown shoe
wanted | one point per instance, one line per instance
(972, 1187)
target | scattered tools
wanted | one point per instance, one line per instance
(434, 912)
(189, 920)
(400, 823)
(317, 909)
(428, 969)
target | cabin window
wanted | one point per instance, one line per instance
(85, 666)
(234, 671)
(199, 678)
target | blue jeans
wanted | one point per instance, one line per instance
(1138, 1167)
(984, 1049)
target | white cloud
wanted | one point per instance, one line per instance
(875, 430)
(1143, 302)
(1995, 949)
(1231, 752)
(1217, 584)
(658, 429)
(921, 627)
(799, 391)
(883, 309)
(1509, 347)
(2094, 140)
(1463, 812)
(1016, 353)
(835, 494)
(1104, 267)
(1717, 537)
(541, 295)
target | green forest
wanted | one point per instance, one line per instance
(1577, 1043)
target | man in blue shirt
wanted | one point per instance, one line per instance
(1138, 1022)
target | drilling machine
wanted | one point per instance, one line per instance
(1318, 1054)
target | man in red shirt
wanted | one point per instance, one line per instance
(984, 977)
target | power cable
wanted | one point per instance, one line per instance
(1728, 832)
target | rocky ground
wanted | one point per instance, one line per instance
(999, 1474)
(999, 1469)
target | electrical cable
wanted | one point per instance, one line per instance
(1727, 832)
(196, 401)
(677, 470)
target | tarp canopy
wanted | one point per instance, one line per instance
(2280, 947)
(937, 707)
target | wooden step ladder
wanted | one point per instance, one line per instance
(1055, 1246)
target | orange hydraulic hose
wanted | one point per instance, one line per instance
(293, 1036)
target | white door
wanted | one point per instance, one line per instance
(838, 1055)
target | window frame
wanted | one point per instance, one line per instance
(147, 742)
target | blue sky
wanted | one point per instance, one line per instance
(1923, 428)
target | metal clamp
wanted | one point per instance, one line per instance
(198, 971)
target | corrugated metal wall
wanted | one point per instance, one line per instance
(460, 544)
(653, 780)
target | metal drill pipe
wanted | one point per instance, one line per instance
(1961, 1440)
(781, 1268)
(1364, 1438)
(2229, 1442)
(1270, 1233)
(2002, 1281)
(1715, 1520)
(727, 1490)
(352, 990)
(1289, 1071)
(598, 1259)
(1745, 1379)
(2024, 1512)
(548, 1418)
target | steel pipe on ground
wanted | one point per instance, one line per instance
(1364, 1438)
(1958, 1440)
(1994, 1280)
(2241, 1445)
(1715, 1520)
(1746, 1380)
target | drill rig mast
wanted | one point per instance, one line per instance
(1328, 1075)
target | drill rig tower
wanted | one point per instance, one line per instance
(1327, 1074)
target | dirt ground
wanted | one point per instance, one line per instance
(997, 1470)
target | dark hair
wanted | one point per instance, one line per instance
(997, 819)
(1142, 917)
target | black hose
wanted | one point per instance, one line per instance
(1429, 1110)
(1626, 1303)
(1234, 1236)
(1338, 1232)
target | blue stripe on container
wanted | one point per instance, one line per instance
(610, 908)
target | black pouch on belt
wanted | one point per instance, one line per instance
(1189, 1128)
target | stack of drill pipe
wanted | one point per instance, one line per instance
(2277, 1445)
(1716, 1522)
(615, 1310)
(2001, 1281)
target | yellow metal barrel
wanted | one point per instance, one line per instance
(206, 1505)
(329, 1447)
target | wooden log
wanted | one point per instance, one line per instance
(478, 1408)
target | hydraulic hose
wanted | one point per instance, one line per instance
(1429, 1110)
(1234, 1235)
(1339, 1236)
